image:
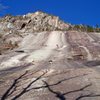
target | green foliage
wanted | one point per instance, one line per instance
(90, 29)
(85, 28)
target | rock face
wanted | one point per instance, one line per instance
(32, 22)
(40, 59)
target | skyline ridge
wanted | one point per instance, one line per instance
(75, 12)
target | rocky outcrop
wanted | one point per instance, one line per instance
(33, 22)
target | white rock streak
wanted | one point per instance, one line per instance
(55, 40)
(47, 44)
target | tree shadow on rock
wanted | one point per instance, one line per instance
(13, 87)
(58, 94)
(61, 96)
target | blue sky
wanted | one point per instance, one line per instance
(72, 11)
